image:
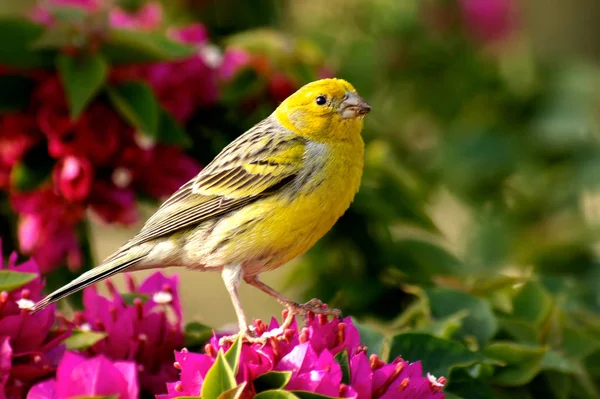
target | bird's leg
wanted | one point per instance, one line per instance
(231, 275)
(314, 305)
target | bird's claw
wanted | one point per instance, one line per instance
(248, 336)
(314, 306)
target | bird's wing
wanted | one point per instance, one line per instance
(255, 165)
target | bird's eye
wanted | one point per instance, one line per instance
(321, 100)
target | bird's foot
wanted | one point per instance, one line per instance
(249, 335)
(314, 306)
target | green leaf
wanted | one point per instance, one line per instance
(480, 322)
(468, 386)
(233, 354)
(372, 339)
(246, 83)
(578, 344)
(445, 327)
(532, 303)
(275, 394)
(137, 104)
(438, 356)
(196, 334)
(555, 361)
(272, 380)
(16, 35)
(81, 340)
(344, 362)
(170, 132)
(431, 258)
(520, 330)
(134, 46)
(82, 78)
(129, 297)
(11, 280)
(219, 378)
(523, 362)
(26, 178)
(16, 92)
(233, 393)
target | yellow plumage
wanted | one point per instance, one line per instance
(265, 199)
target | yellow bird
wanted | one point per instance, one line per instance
(265, 199)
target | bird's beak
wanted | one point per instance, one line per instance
(353, 106)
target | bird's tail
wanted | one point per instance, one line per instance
(112, 266)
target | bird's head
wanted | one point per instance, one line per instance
(324, 110)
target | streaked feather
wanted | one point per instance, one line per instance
(247, 169)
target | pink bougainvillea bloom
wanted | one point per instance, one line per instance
(309, 354)
(73, 177)
(193, 368)
(234, 60)
(195, 34)
(113, 204)
(489, 20)
(77, 376)
(96, 135)
(19, 134)
(146, 332)
(148, 17)
(46, 227)
(5, 364)
(34, 349)
(164, 169)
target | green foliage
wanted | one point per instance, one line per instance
(82, 340)
(129, 46)
(219, 379)
(473, 235)
(82, 78)
(16, 34)
(272, 380)
(137, 104)
(11, 280)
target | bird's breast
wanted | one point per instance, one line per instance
(270, 232)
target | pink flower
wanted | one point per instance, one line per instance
(45, 229)
(193, 371)
(184, 85)
(489, 20)
(234, 60)
(113, 204)
(147, 17)
(309, 354)
(26, 340)
(164, 170)
(77, 376)
(194, 34)
(19, 133)
(73, 177)
(146, 332)
(5, 364)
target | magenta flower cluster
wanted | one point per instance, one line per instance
(30, 348)
(137, 350)
(147, 331)
(98, 162)
(309, 353)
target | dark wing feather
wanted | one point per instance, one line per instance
(253, 166)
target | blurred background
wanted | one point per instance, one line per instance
(478, 217)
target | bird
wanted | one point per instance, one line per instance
(265, 199)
